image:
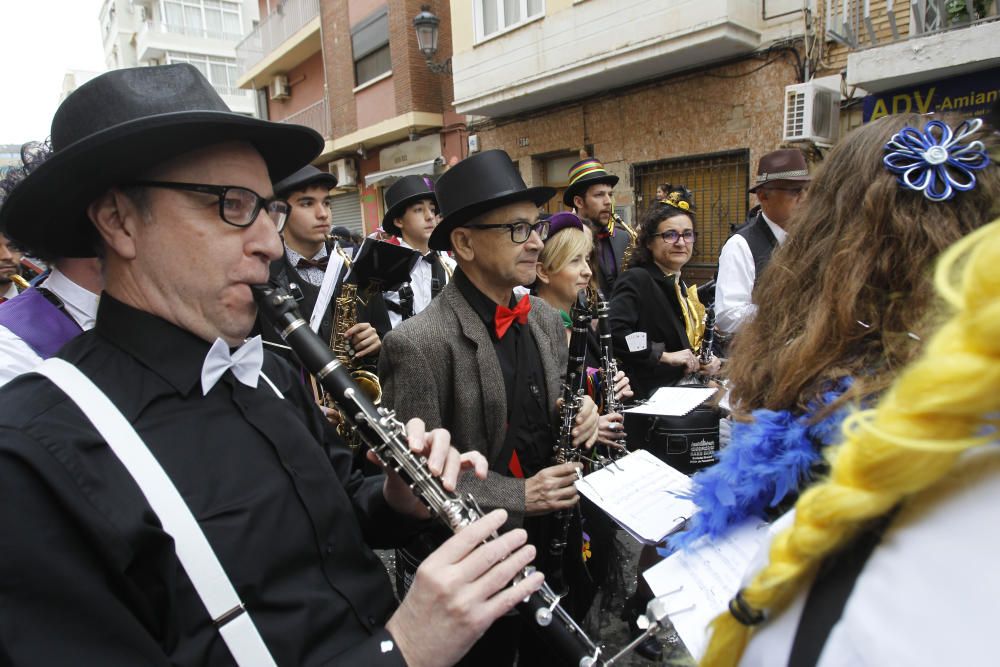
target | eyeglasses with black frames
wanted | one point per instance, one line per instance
(670, 236)
(238, 206)
(519, 231)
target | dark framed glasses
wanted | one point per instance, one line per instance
(238, 206)
(519, 231)
(671, 236)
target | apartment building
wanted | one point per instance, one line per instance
(203, 33)
(351, 70)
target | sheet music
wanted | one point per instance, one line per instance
(328, 286)
(700, 581)
(674, 401)
(648, 498)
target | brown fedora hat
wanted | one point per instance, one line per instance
(787, 164)
(120, 124)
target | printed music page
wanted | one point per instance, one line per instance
(699, 582)
(673, 401)
(648, 498)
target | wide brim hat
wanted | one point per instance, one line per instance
(480, 183)
(582, 175)
(401, 194)
(786, 164)
(305, 177)
(116, 126)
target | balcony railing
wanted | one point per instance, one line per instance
(232, 91)
(274, 29)
(853, 23)
(202, 33)
(316, 116)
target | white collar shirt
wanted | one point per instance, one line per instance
(311, 273)
(734, 287)
(420, 282)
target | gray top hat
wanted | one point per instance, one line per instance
(121, 123)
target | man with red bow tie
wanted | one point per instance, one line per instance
(488, 366)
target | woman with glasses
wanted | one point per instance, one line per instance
(656, 319)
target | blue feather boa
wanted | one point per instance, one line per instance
(766, 460)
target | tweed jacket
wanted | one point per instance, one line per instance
(440, 365)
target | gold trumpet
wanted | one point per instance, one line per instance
(19, 280)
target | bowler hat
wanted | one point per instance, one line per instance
(787, 164)
(302, 179)
(120, 124)
(480, 183)
(582, 175)
(401, 194)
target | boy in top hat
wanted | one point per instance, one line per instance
(313, 265)
(591, 194)
(62, 305)
(487, 366)
(782, 180)
(411, 215)
(174, 190)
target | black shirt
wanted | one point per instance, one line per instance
(90, 577)
(529, 429)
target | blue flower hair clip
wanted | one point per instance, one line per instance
(934, 161)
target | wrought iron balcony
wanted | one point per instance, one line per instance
(855, 23)
(274, 30)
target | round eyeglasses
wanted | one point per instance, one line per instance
(670, 236)
(238, 206)
(519, 231)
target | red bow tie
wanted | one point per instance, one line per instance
(505, 316)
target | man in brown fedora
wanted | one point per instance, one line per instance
(488, 366)
(172, 495)
(781, 181)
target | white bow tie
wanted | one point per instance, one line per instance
(245, 363)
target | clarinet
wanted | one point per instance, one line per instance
(609, 366)
(574, 389)
(386, 436)
(705, 354)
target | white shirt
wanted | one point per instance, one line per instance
(927, 595)
(420, 283)
(734, 286)
(16, 356)
(313, 274)
(11, 292)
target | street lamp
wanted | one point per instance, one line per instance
(427, 24)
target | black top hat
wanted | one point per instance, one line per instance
(121, 123)
(477, 184)
(380, 266)
(302, 179)
(582, 175)
(786, 164)
(401, 194)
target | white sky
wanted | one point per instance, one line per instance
(40, 40)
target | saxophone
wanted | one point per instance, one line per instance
(386, 436)
(632, 234)
(345, 316)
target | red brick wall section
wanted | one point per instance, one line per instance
(306, 83)
(417, 88)
(692, 114)
(336, 31)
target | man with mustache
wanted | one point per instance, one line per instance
(488, 366)
(591, 194)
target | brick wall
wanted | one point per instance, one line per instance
(725, 108)
(339, 65)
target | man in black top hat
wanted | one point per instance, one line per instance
(591, 194)
(411, 215)
(314, 265)
(782, 180)
(487, 366)
(174, 190)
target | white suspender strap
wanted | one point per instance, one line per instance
(193, 549)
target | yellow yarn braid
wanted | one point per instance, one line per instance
(939, 407)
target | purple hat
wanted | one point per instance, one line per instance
(563, 220)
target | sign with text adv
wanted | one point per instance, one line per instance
(968, 95)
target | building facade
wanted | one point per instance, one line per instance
(351, 70)
(203, 33)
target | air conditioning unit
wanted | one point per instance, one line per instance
(344, 170)
(279, 89)
(812, 113)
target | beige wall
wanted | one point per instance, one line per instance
(462, 16)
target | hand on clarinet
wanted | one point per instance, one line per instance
(585, 431)
(713, 366)
(612, 430)
(460, 590)
(685, 358)
(443, 461)
(551, 489)
(364, 340)
(623, 389)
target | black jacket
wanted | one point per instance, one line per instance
(645, 300)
